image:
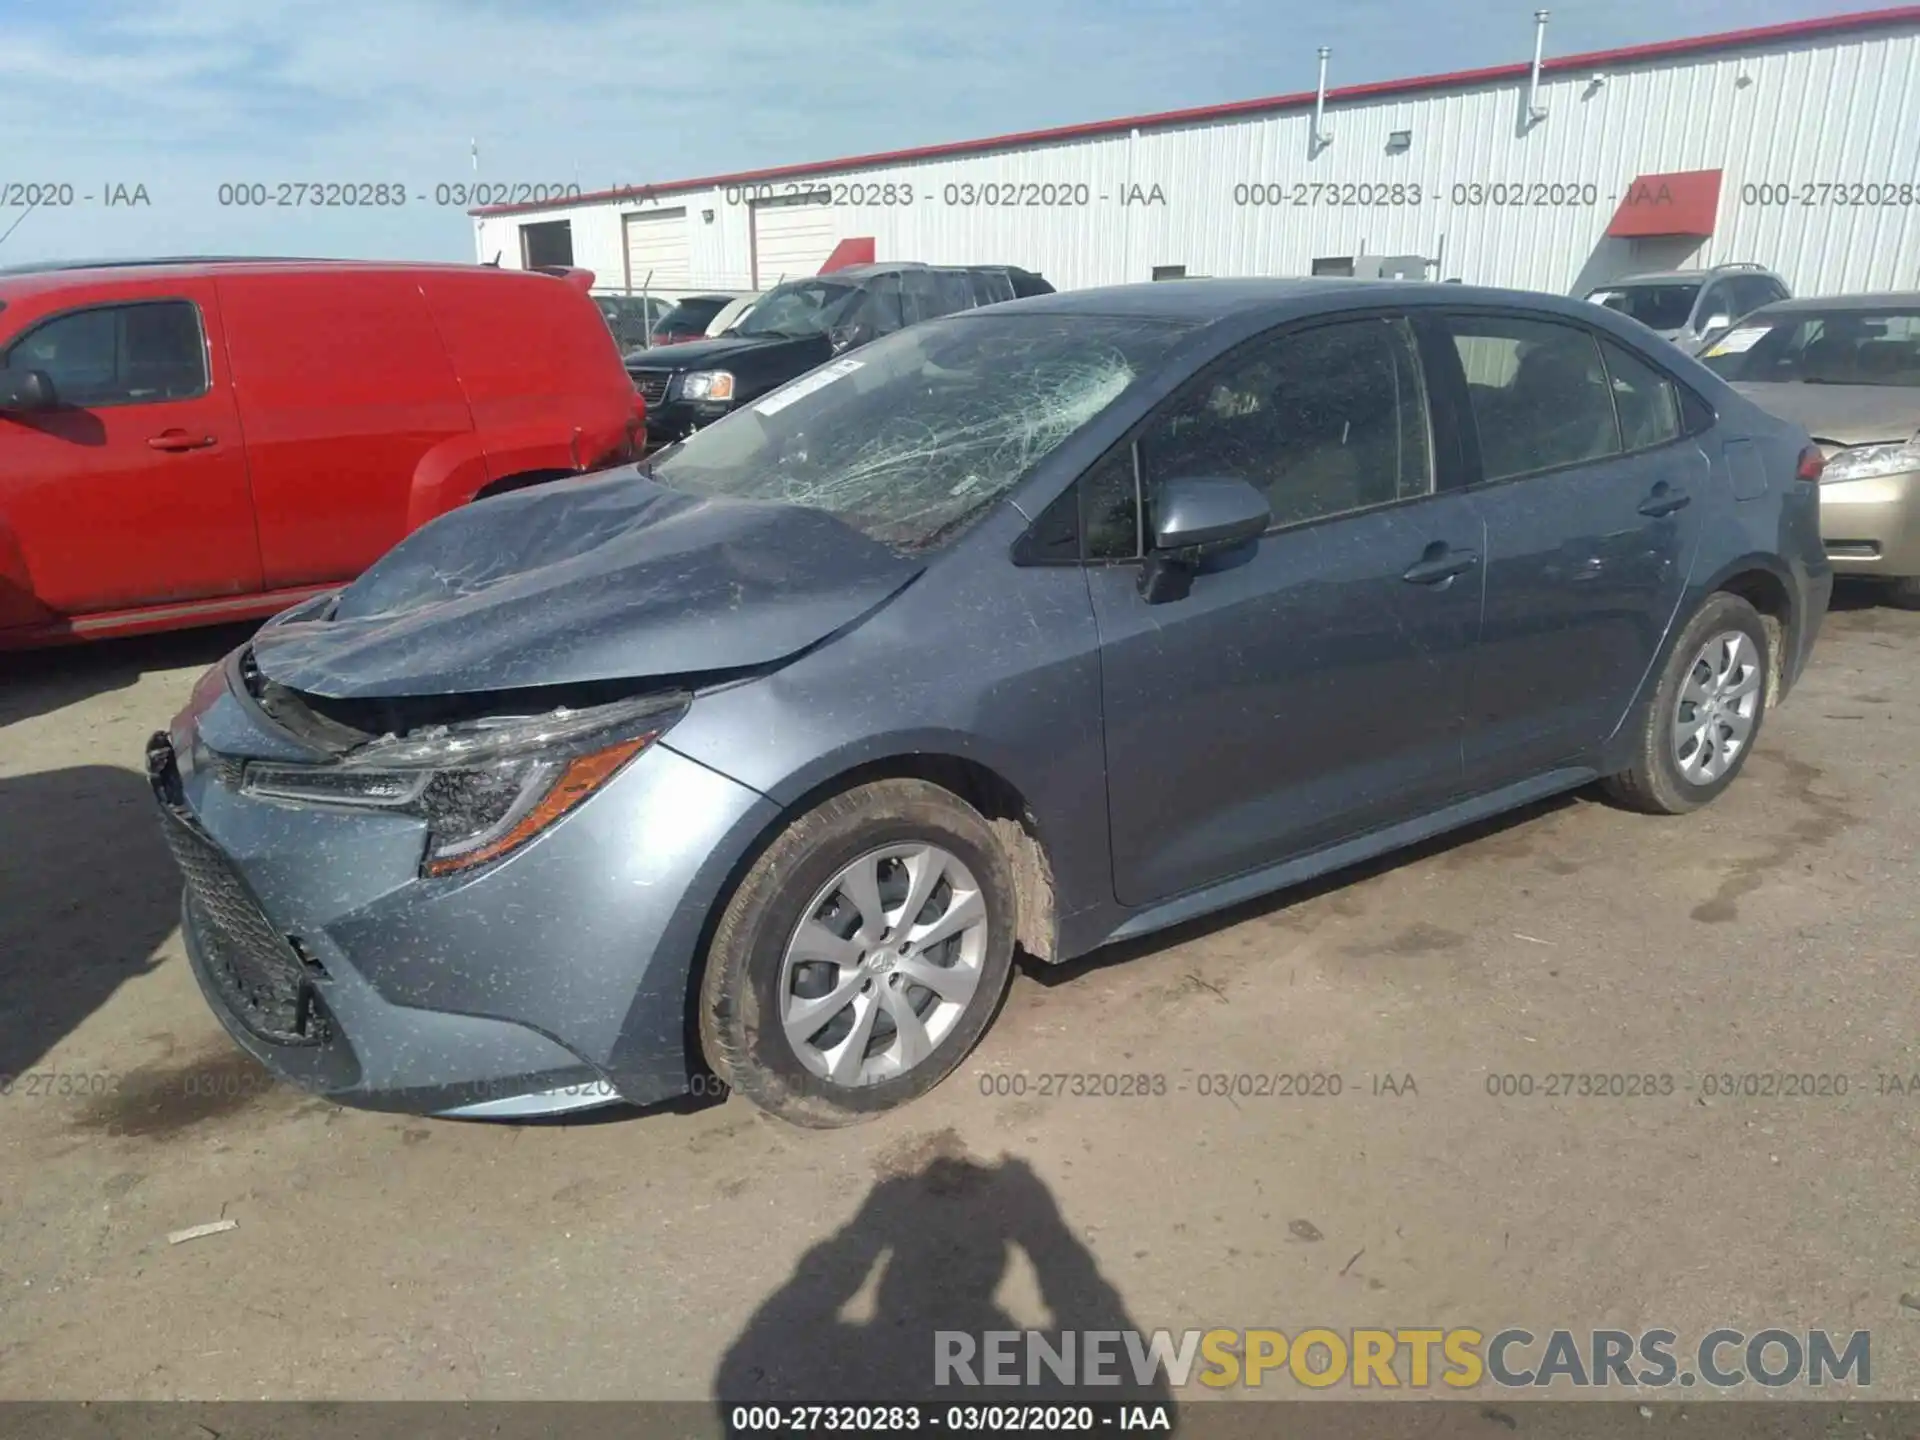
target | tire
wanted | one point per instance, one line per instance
(1665, 777)
(761, 971)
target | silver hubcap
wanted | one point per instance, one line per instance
(883, 965)
(1719, 701)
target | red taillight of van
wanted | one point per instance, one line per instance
(1812, 464)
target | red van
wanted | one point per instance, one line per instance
(185, 442)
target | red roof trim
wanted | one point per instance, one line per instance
(1632, 54)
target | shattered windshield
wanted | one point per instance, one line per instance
(806, 307)
(915, 435)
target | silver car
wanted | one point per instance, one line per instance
(1847, 367)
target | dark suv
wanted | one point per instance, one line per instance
(805, 323)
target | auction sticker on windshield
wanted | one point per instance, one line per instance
(1735, 342)
(806, 385)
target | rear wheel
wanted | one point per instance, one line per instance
(862, 956)
(1705, 715)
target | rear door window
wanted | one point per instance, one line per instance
(1541, 396)
(937, 292)
(119, 354)
(1645, 399)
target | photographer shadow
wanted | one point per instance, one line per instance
(941, 1241)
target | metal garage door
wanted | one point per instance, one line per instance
(792, 238)
(658, 253)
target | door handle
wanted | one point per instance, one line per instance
(176, 440)
(1441, 567)
(1664, 501)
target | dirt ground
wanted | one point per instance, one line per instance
(662, 1255)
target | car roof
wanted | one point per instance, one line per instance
(1207, 301)
(1647, 277)
(63, 274)
(1886, 300)
(900, 267)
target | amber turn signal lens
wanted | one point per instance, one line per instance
(582, 776)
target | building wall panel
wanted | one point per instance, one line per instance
(1837, 110)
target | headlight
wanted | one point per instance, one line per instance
(484, 787)
(1863, 462)
(707, 385)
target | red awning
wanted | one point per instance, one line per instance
(1683, 203)
(848, 253)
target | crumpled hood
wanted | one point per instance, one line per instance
(1841, 414)
(605, 578)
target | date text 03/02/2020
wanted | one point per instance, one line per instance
(389, 194)
(1207, 1084)
(1706, 1086)
(955, 194)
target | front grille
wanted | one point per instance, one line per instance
(1853, 549)
(652, 385)
(258, 973)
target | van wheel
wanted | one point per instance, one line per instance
(862, 956)
(1706, 712)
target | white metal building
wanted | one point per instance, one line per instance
(1796, 146)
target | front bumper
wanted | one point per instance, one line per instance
(674, 420)
(1872, 526)
(555, 979)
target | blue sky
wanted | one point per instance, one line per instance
(180, 96)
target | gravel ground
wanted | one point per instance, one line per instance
(660, 1255)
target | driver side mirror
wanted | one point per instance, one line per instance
(26, 391)
(1716, 322)
(1192, 519)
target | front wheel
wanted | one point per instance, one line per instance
(862, 956)
(1705, 715)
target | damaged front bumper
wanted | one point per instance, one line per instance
(550, 980)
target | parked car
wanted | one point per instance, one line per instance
(1052, 624)
(689, 318)
(189, 442)
(805, 323)
(732, 313)
(1688, 306)
(631, 318)
(1847, 367)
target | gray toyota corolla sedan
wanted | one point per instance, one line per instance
(1038, 627)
